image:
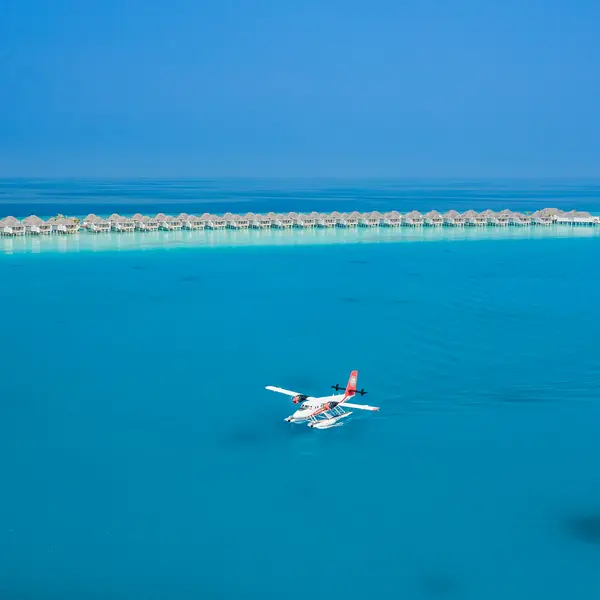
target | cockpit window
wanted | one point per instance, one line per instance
(305, 407)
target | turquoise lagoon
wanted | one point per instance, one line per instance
(142, 457)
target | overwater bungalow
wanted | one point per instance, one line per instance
(481, 220)
(121, 224)
(325, 220)
(470, 217)
(148, 224)
(261, 222)
(213, 221)
(413, 219)
(161, 219)
(85, 222)
(519, 219)
(63, 225)
(541, 218)
(243, 222)
(100, 226)
(503, 217)
(231, 220)
(553, 213)
(433, 218)
(36, 226)
(138, 221)
(577, 217)
(194, 223)
(126, 225)
(253, 220)
(491, 218)
(183, 217)
(304, 221)
(11, 226)
(236, 221)
(172, 224)
(113, 220)
(337, 217)
(370, 219)
(272, 217)
(265, 222)
(391, 219)
(453, 218)
(349, 219)
(95, 224)
(283, 222)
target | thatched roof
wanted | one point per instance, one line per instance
(576, 214)
(487, 213)
(114, 218)
(551, 212)
(32, 220)
(413, 214)
(11, 222)
(137, 217)
(451, 214)
(469, 214)
(433, 214)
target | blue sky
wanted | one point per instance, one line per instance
(299, 88)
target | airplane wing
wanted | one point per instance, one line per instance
(282, 391)
(359, 406)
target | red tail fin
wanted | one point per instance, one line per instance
(351, 387)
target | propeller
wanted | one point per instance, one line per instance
(337, 387)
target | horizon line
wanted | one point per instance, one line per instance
(297, 177)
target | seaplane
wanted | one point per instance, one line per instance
(324, 412)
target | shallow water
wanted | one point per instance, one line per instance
(144, 459)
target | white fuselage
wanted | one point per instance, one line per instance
(313, 406)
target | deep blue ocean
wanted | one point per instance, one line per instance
(142, 457)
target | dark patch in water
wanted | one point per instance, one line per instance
(350, 300)
(358, 262)
(138, 268)
(585, 528)
(438, 585)
(157, 299)
(532, 395)
(413, 274)
(245, 437)
(191, 279)
(524, 399)
(401, 301)
(61, 322)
